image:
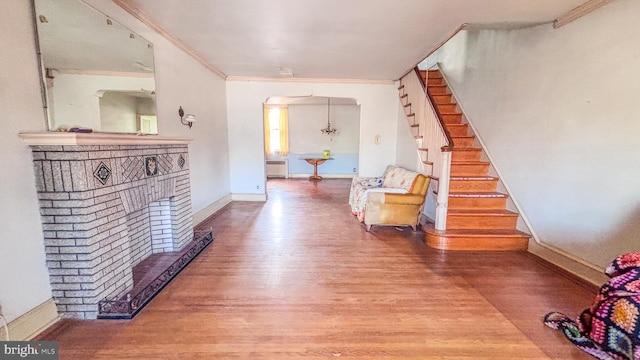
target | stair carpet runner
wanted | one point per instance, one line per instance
(477, 218)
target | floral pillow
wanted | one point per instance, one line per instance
(371, 182)
(399, 178)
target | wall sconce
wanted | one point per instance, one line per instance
(188, 119)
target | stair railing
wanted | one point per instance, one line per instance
(432, 135)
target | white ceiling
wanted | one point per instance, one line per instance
(330, 39)
(365, 40)
(310, 100)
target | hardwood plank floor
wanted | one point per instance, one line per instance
(299, 277)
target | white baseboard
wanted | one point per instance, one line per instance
(203, 214)
(581, 269)
(326, 176)
(249, 197)
(32, 323)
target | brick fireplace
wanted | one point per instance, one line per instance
(107, 202)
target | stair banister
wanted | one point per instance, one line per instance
(447, 134)
(433, 135)
(442, 199)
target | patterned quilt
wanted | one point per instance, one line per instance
(610, 329)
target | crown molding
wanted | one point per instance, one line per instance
(140, 15)
(312, 80)
(580, 11)
(105, 73)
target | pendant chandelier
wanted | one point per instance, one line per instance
(329, 130)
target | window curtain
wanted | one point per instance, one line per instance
(284, 131)
(267, 132)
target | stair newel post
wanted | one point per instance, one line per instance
(442, 199)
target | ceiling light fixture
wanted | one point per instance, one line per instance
(328, 130)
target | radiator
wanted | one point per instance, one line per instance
(277, 168)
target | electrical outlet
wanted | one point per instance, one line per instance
(354, 169)
(257, 187)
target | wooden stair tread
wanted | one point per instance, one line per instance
(474, 178)
(414, 125)
(475, 239)
(480, 233)
(488, 212)
(423, 149)
(477, 194)
(467, 148)
(412, 114)
(469, 162)
(443, 97)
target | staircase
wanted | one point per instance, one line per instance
(477, 218)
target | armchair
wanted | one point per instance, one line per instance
(394, 199)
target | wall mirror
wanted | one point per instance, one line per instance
(97, 74)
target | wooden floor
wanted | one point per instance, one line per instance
(299, 277)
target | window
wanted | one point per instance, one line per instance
(276, 138)
(274, 130)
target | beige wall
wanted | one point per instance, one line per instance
(557, 111)
(180, 80)
(24, 281)
(378, 115)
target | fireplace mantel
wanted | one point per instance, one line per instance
(77, 139)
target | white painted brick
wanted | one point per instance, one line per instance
(61, 257)
(92, 315)
(53, 196)
(79, 293)
(78, 264)
(60, 242)
(55, 227)
(78, 279)
(79, 308)
(69, 301)
(55, 279)
(51, 250)
(63, 272)
(107, 248)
